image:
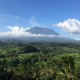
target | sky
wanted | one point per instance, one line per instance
(63, 16)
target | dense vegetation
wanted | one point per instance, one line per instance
(39, 61)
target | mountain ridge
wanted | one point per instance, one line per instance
(40, 30)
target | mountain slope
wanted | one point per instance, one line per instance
(44, 31)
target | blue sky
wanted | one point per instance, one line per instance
(44, 13)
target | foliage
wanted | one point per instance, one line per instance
(40, 61)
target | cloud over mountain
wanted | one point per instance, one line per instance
(17, 31)
(70, 25)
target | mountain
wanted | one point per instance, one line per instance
(44, 31)
(36, 31)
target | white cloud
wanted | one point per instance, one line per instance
(70, 25)
(17, 31)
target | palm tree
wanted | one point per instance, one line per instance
(66, 69)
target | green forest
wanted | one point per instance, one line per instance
(39, 61)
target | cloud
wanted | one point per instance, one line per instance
(18, 20)
(33, 22)
(12, 20)
(70, 25)
(17, 31)
(8, 17)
